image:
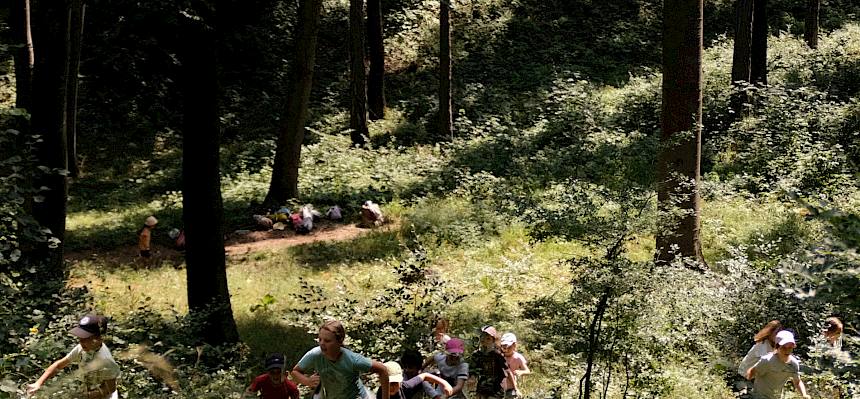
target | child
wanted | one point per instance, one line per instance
(143, 242)
(833, 333)
(336, 368)
(765, 341)
(400, 389)
(273, 384)
(516, 363)
(95, 364)
(489, 366)
(773, 369)
(451, 367)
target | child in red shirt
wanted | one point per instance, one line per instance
(273, 384)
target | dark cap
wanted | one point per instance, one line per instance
(90, 325)
(275, 361)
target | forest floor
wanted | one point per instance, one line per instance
(240, 242)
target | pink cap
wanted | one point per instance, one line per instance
(454, 345)
(490, 330)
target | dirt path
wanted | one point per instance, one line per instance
(237, 243)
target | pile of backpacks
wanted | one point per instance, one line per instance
(302, 220)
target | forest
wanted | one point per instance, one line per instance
(630, 192)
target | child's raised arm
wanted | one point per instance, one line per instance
(449, 390)
(300, 376)
(49, 372)
(382, 372)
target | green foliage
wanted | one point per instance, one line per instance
(399, 317)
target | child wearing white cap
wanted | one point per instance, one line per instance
(516, 363)
(145, 236)
(98, 370)
(774, 369)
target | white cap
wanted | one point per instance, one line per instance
(784, 337)
(151, 221)
(508, 339)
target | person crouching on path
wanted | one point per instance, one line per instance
(336, 368)
(774, 369)
(97, 367)
(273, 384)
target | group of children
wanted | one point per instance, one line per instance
(770, 363)
(334, 371)
(330, 369)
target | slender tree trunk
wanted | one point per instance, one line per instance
(741, 53)
(19, 22)
(446, 121)
(202, 208)
(285, 172)
(810, 34)
(358, 74)
(758, 67)
(48, 120)
(679, 162)
(76, 33)
(376, 77)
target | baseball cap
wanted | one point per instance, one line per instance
(275, 361)
(455, 346)
(395, 372)
(784, 337)
(490, 330)
(508, 339)
(151, 221)
(90, 325)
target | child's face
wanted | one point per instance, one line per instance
(90, 344)
(275, 374)
(328, 342)
(411, 371)
(487, 341)
(452, 359)
(786, 349)
(393, 387)
(508, 350)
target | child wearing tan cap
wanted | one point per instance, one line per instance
(143, 241)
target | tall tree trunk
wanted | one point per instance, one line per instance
(376, 77)
(285, 172)
(758, 67)
(358, 74)
(810, 34)
(741, 53)
(446, 121)
(76, 33)
(202, 208)
(679, 162)
(19, 22)
(48, 119)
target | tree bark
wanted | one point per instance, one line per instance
(758, 58)
(376, 77)
(679, 162)
(446, 121)
(48, 120)
(285, 172)
(19, 22)
(358, 74)
(208, 293)
(810, 34)
(741, 53)
(76, 32)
